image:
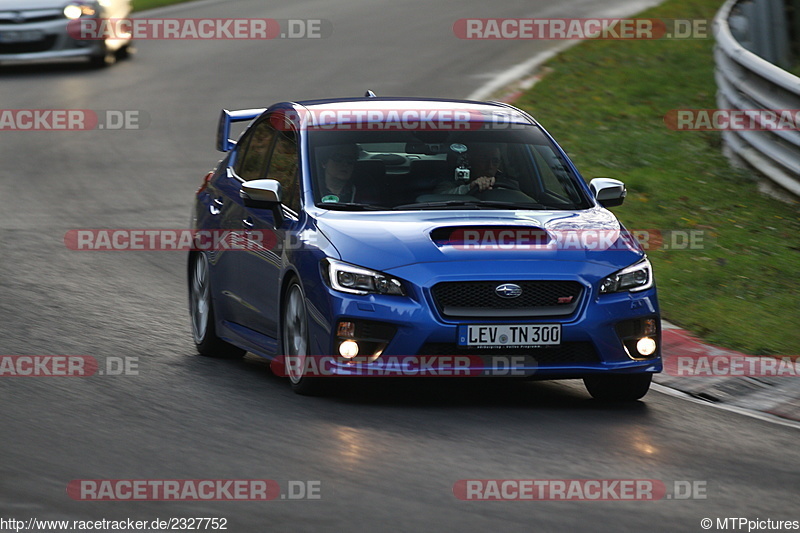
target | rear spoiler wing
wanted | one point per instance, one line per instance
(226, 118)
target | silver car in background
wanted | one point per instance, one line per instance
(37, 29)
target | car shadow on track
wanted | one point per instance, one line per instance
(439, 392)
(472, 392)
(52, 69)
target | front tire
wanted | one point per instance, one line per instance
(125, 52)
(201, 308)
(104, 58)
(618, 387)
(295, 342)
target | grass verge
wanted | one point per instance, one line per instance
(140, 5)
(605, 101)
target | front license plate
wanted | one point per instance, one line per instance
(510, 335)
(22, 36)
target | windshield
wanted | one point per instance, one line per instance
(515, 168)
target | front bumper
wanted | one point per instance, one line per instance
(592, 338)
(54, 43)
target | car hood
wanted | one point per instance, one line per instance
(17, 5)
(111, 6)
(386, 240)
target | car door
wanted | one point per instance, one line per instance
(249, 163)
(263, 266)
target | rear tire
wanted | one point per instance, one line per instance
(618, 387)
(201, 308)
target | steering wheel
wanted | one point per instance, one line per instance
(502, 183)
(504, 193)
(505, 184)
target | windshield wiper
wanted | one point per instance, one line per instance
(351, 206)
(473, 204)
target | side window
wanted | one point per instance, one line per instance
(283, 168)
(251, 164)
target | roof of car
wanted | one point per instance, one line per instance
(400, 104)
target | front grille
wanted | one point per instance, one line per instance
(42, 45)
(479, 299)
(566, 353)
(27, 17)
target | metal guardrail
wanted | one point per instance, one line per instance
(746, 81)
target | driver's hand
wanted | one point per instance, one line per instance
(482, 183)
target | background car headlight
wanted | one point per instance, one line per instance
(76, 11)
(637, 277)
(345, 277)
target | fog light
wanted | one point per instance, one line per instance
(650, 326)
(646, 346)
(348, 349)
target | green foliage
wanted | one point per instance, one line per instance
(605, 101)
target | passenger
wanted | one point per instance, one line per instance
(337, 185)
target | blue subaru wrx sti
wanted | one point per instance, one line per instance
(387, 236)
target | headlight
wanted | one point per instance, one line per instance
(637, 277)
(345, 277)
(76, 11)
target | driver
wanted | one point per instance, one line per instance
(484, 171)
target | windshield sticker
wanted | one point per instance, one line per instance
(330, 198)
(458, 148)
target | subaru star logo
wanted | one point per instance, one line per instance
(508, 290)
(18, 17)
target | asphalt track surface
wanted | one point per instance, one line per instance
(386, 455)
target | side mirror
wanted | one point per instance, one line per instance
(608, 192)
(263, 194)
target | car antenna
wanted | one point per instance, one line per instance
(370, 94)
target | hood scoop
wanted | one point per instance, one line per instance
(487, 237)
